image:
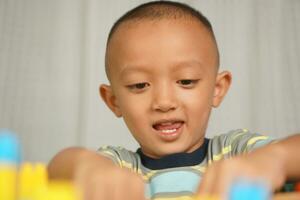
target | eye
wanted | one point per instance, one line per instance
(138, 86)
(187, 83)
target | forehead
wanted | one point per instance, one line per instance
(159, 43)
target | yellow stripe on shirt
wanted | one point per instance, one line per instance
(225, 150)
(255, 139)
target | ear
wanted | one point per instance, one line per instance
(222, 85)
(110, 99)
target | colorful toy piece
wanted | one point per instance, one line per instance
(297, 187)
(249, 190)
(32, 178)
(9, 148)
(29, 181)
(25, 181)
(9, 158)
(59, 190)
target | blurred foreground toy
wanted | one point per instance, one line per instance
(9, 159)
(297, 187)
(249, 190)
(28, 181)
(58, 190)
(31, 179)
(34, 185)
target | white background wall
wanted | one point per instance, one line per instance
(52, 62)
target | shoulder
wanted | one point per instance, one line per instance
(120, 156)
(236, 142)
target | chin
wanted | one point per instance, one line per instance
(170, 149)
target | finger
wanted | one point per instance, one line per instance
(97, 190)
(229, 173)
(224, 179)
(137, 191)
(206, 186)
(131, 191)
(218, 178)
(130, 186)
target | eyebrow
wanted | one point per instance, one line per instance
(133, 68)
(188, 64)
(176, 67)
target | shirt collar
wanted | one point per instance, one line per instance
(175, 160)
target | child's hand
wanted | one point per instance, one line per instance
(114, 183)
(266, 164)
(95, 175)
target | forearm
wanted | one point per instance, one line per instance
(95, 175)
(290, 153)
(66, 163)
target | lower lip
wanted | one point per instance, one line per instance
(169, 137)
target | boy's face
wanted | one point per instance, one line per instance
(164, 82)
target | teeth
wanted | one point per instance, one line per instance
(166, 123)
(168, 131)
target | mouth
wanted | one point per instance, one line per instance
(168, 130)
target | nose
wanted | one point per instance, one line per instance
(164, 99)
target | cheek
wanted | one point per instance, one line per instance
(198, 103)
(198, 98)
(199, 110)
(131, 102)
(133, 108)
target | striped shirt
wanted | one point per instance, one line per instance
(177, 176)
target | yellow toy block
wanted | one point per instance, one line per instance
(8, 176)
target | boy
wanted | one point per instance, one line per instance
(162, 62)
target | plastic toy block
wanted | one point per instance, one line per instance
(249, 190)
(297, 187)
(59, 190)
(9, 157)
(9, 148)
(30, 181)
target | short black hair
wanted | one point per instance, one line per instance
(157, 10)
